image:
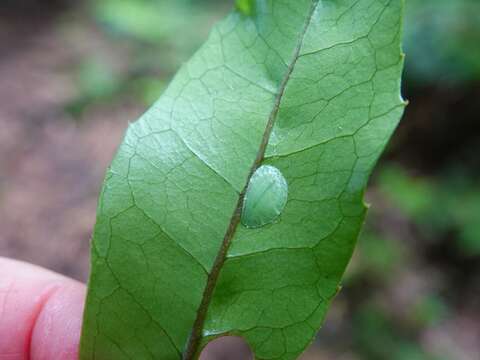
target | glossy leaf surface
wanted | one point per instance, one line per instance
(311, 88)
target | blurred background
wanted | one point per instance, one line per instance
(73, 73)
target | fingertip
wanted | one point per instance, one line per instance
(56, 333)
(40, 313)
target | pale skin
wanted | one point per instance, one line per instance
(40, 313)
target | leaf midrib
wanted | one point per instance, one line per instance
(196, 334)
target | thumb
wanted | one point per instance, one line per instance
(40, 313)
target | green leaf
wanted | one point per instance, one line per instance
(310, 88)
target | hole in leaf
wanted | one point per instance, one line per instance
(227, 348)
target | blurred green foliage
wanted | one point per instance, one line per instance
(377, 257)
(441, 37)
(378, 338)
(439, 206)
(180, 23)
(429, 310)
(442, 40)
(156, 36)
(96, 82)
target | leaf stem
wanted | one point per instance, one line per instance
(193, 345)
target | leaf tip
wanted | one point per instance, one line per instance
(245, 7)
